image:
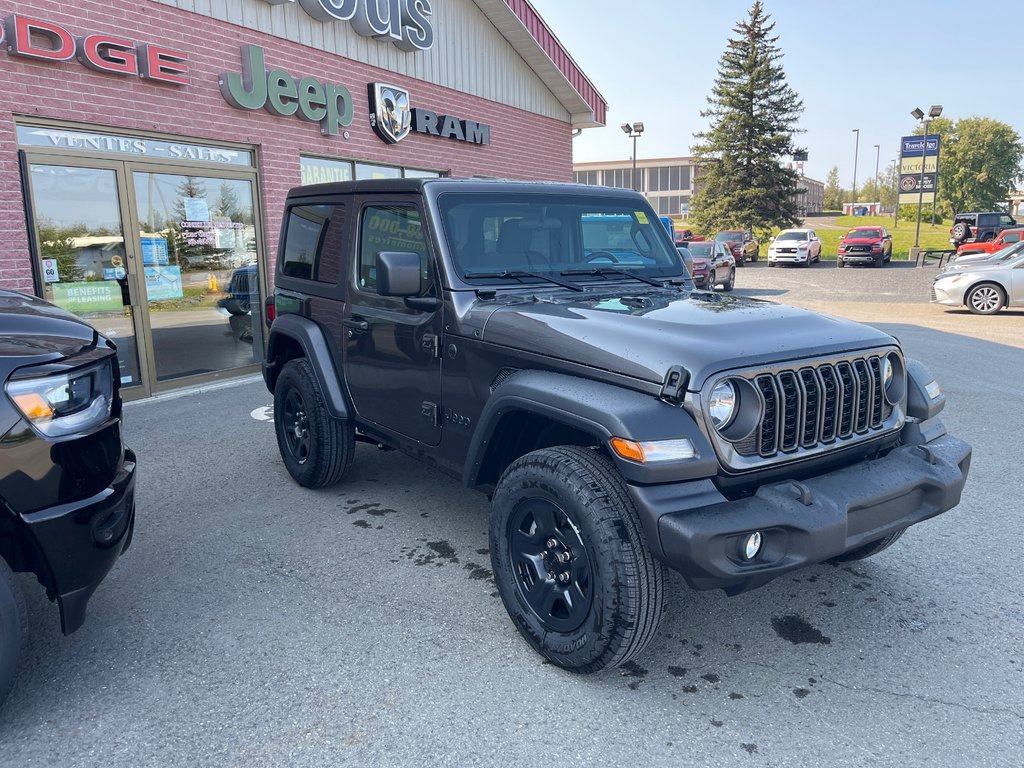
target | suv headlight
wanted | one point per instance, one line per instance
(722, 404)
(894, 378)
(63, 404)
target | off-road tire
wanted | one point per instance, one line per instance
(618, 586)
(961, 231)
(320, 456)
(879, 261)
(985, 299)
(869, 550)
(840, 264)
(13, 624)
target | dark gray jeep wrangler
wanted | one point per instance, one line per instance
(545, 344)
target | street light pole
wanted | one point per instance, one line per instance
(896, 204)
(633, 131)
(877, 190)
(934, 112)
(856, 150)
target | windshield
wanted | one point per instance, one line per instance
(729, 237)
(792, 236)
(1007, 253)
(490, 233)
(700, 250)
(864, 233)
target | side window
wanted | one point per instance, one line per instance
(313, 242)
(389, 228)
(987, 220)
(1011, 237)
(1005, 221)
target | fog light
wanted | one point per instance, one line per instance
(752, 545)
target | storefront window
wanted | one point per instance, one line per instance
(367, 171)
(320, 170)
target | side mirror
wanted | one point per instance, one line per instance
(398, 273)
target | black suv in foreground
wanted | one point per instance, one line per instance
(67, 483)
(619, 420)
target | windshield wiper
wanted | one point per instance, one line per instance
(518, 273)
(612, 271)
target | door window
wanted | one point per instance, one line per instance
(389, 228)
(198, 242)
(84, 262)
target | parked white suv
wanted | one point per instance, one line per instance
(794, 246)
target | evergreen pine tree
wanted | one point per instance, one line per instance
(742, 183)
(833, 191)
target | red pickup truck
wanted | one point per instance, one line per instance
(684, 236)
(1002, 240)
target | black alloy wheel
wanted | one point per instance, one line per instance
(316, 448)
(551, 564)
(570, 559)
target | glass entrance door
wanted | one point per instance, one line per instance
(197, 237)
(85, 263)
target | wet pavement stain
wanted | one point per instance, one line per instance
(711, 677)
(478, 572)
(444, 550)
(735, 696)
(361, 523)
(718, 723)
(483, 551)
(381, 512)
(689, 689)
(362, 508)
(796, 629)
(829, 604)
(678, 671)
(801, 693)
(750, 748)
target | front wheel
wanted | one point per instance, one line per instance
(985, 299)
(840, 263)
(316, 448)
(570, 560)
(12, 628)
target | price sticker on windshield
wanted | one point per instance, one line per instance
(641, 217)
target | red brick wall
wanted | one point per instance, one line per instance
(523, 145)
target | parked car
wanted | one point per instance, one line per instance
(984, 287)
(1004, 253)
(67, 483)
(618, 421)
(1002, 240)
(686, 236)
(795, 246)
(864, 245)
(743, 244)
(979, 227)
(713, 265)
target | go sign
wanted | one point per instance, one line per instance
(51, 273)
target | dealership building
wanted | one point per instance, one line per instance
(147, 146)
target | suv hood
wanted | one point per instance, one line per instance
(861, 240)
(33, 329)
(642, 335)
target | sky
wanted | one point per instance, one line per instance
(863, 65)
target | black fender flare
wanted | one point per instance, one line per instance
(921, 405)
(597, 409)
(315, 349)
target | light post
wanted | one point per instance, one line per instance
(856, 150)
(896, 204)
(877, 190)
(934, 112)
(633, 131)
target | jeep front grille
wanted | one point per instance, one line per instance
(815, 407)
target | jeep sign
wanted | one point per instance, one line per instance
(406, 23)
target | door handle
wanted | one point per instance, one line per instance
(357, 324)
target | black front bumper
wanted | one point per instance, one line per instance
(81, 541)
(698, 533)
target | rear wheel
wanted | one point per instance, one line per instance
(12, 628)
(985, 299)
(315, 447)
(570, 560)
(729, 284)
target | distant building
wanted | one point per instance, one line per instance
(861, 208)
(1017, 204)
(668, 183)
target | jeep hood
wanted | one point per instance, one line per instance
(643, 335)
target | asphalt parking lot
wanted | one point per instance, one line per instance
(254, 623)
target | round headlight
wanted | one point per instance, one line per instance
(722, 404)
(893, 378)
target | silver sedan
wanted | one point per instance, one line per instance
(983, 287)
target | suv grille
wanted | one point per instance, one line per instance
(817, 406)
